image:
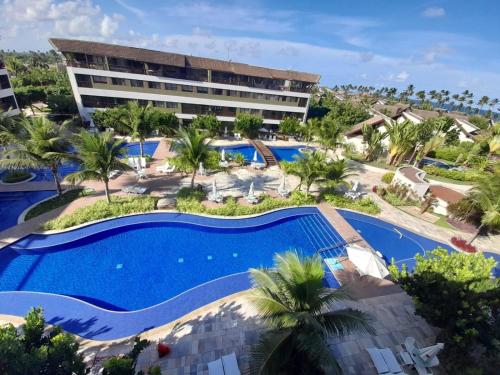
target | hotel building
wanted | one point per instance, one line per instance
(8, 103)
(106, 75)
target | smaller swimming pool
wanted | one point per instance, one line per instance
(134, 149)
(12, 204)
(425, 162)
(288, 153)
(246, 150)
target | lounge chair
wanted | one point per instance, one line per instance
(257, 165)
(218, 198)
(141, 174)
(237, 136)
(227, 365)
(283, 192)
(134, 189)
(385, 361)
(354, 193)
(252, 199)
(422, 367)
(114, 173)
(223, 164)
(166, 168)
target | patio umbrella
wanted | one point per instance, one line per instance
(282, 186)
(263, 130)
(250, 191)
(225, 131)
(223, 155)
(367, 262)
(201, 170)
(427, 354)
(255, 157)
(214, 188)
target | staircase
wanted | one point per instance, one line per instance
(265, 152)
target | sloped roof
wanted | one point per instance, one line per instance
(412, 174)
(358, 128)
(393, 110)
(446, 194)
(174, 59)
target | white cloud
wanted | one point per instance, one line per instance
(136, 11)
(433, 12)
(109, 25)
(400, 77)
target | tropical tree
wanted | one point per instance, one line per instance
(421, 96)
(372, 139)
(309, 167)
(330, 133)
(401, 137)
(435, 142)
(98, 155)
(39, 143)
(193, 149)
(209, 123)
(494, 145)
(289, 125)
(299, 311)
(136, 120)
(484, 100)
(338, 170)
(308, 129)
(248, 124)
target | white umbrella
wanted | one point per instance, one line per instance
(282, 186)
(427, 354)
(250, 191)
(367, 262)
(201, 170)
(255, 157)
(214, 188)
(225, 131)
(223, 155)
(263, 130)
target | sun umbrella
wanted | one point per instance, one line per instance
(427, 354)
(282, 186)
(225, 131)
(214, 188)
(367, 262)
(250, 191)
(223, 155)
(255, 157)
(201, 170)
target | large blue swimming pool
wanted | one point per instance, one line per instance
(287, 153)
(139, 265)
(12, 204)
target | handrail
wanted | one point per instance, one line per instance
(339, 244)
(265, 153)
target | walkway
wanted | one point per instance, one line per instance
(265, 152)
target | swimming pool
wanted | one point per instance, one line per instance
(281, 153)
(12, 204)
(288, 153)
(132, 149)
(147, 259)
(246, 150)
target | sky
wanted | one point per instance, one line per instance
(433, 44)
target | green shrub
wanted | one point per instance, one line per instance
(449, 153)
(101, 210)
(118, 366)
(11, 177)
(239, 158)
(468, 175)
(190, 201)
(394, 200)
(365, 205)
(387, 177)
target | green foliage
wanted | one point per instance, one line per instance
(346, 113)
(456, 293)
(449, 153)
(239, 158)
(208, 123)
(365, 205)
(166, 123)
(118, 366)
(102, 210)
(337, 171)
(107, 118)
(387, 177)
(62, 104)
(330, 133)
(56, 202)
(155, 370)
(290, 126)
(29, 351)
(300, 314)
(189, 200)
(193, 149)
(248, 124)
(11, 177)
(212, 161)
(480, 121)
(372, 139)
(310, 167)
(467, 175)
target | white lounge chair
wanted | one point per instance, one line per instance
(134, 189)
(230, 364)
(252, 199)
(422, 366)
(237, 136)
(218, 198)
(354, 193)
(223, 164)
(256, 165)
(385, 361)
(141, 174)
(114, 173)
(216, 367)
(166, 168)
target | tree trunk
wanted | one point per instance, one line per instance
(141, 147)
(413, 155)
(106, 190)
(192, 179)
(477, 234)
(56, 180)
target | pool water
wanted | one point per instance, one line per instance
(134, 149)
(12, 204)
(435, 163)
(287, 153)
(247, 151)
(140, 265)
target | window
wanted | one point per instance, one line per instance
(171, 86)
(143, 102)
(232, 93)
(100, 79)
(4, 82)
(136, 83)
(171, 105)
(187, 88)
(217, 92)
(159, 104)
(83, 80)
(245, 94)
(302, 102)
(154, 85)
(202, 90)
(118, 81)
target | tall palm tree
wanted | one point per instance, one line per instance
(435, 142)
(309, 167)
(193, 149)
(301, 315)
(39, 143)
(98, 155)
(137, 121)
(338, 170)
(401, 137)
(421, 96)
(10, 129)
(372, 138)
(482, 102)
(329, 133)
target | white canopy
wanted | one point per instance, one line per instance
(255, 156)
(223, 155)
(214, 188)
(367, 262)
(201, 170)
(427, 354)
(283, 183)
(251, 190)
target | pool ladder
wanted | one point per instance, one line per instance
(331, 250)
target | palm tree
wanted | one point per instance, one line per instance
(308, 129)
(39, 143)
(193, 149)
(401, 137)
(329, 133)
(9, 130)
(137, 121)
(300, 314)
(494, 145)
(98, 155)
(372, 138)
(310, 167)
(435, 142)
(338, 170)
(421, 96)
(482, 102)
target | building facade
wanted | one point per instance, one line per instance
(105, 75)
(8, 103)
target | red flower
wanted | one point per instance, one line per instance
(163, 349)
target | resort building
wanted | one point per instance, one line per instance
(8, 103)
(106, 75)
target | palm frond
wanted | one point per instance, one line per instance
(271, 352)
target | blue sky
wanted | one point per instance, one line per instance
(433, 44)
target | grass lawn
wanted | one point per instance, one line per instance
(56, 202)
(449, 180)
(443, 223)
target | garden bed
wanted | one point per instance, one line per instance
(365, 205)
(14, 177)
(56, 202)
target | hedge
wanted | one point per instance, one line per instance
(468, 175)
(365, 205)
(387, 177)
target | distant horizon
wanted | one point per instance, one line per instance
(369, 44)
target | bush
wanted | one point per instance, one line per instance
(248, 124)
(11, 177)
(468, 175)
(365, 205)
(102, 210)
(387, 177)
(449, 153)
(190, 201)
(239, 158)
